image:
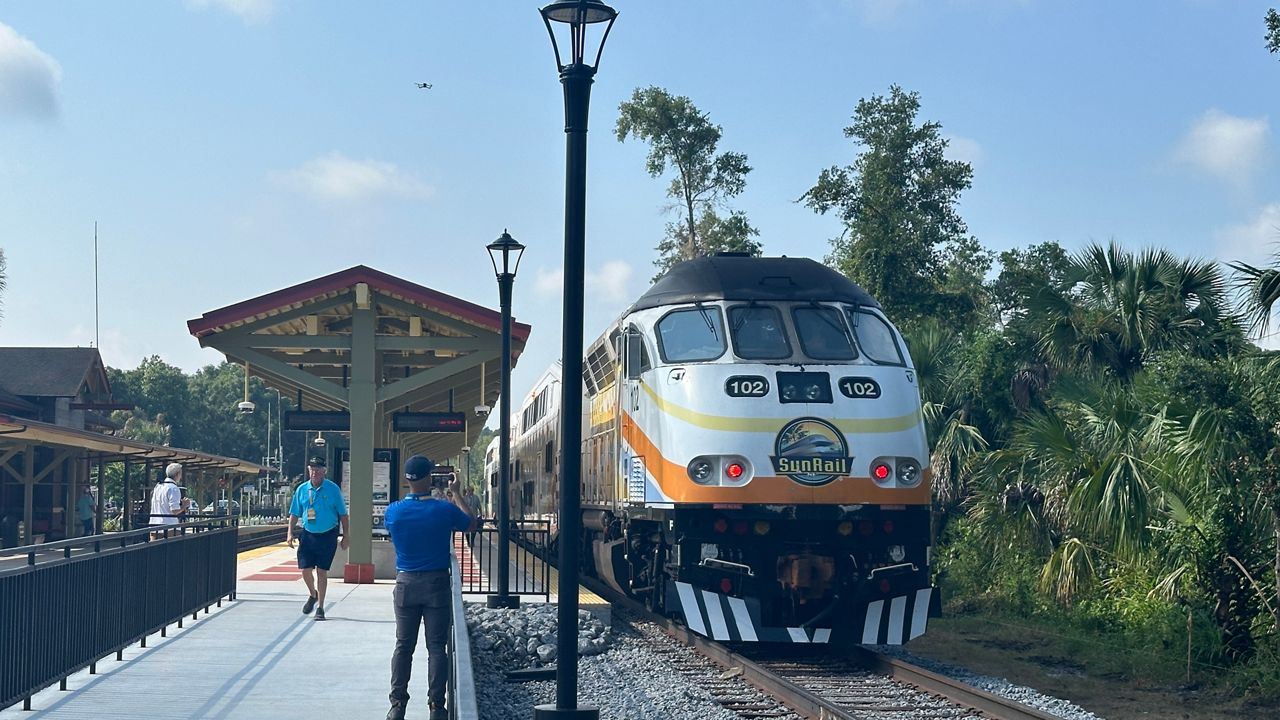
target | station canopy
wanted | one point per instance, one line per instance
(430, 352)
(17, 431)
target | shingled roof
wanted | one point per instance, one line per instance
(47, 372)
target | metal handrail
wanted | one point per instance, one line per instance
(462, 682)
(43, 553)
(61, 611)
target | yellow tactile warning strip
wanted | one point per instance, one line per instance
(259, 552)
(585, 596)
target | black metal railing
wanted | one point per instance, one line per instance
(65, 605)
(478, 559)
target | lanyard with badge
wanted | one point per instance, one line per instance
(311, 502)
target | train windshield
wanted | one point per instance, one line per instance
(691, 335)
(875, 337)
(758, 333)
(822, 333)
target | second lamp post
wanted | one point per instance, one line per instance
(505, 254)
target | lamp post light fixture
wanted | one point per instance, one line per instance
(505, 254)
(578, 20)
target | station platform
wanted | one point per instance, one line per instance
(258, 656)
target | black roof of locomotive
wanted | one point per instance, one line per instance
(737, 277)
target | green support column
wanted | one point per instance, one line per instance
(28, 492)
(362, 401)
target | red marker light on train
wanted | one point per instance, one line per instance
(740, 527)
(884, 586)
(880, 471)
(734, 470)
(721, 525)
(888, 527)
(726, 585)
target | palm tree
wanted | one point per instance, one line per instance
(1122, 307)
(1261, 291)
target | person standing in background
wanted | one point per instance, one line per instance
(473, 503)
(84, 511)
(167, 503)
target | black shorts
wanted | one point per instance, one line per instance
(316, 550)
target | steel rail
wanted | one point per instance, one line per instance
(811, 705)
(990, 704)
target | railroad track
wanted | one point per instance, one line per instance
(257, 537)
(824, 684)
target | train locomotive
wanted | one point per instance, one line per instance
(754, 459)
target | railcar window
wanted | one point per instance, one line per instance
(691, 335)
(822, 333)
(758, 333)
(876, 338)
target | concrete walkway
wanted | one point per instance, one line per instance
(258, 657)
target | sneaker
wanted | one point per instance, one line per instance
(319, 613)
(309, 605)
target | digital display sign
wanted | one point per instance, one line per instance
(429, 422)
(317, 420)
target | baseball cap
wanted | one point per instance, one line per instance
(417, 468)
(316, 461)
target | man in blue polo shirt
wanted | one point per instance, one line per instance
(421, 528)
(318, 504)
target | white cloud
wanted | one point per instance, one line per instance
(964, 149)
(609, 283)
(1224, 146)
(252, 12)
(1255, 242)
(337, 177)
(29, 78)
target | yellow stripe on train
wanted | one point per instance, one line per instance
(770, 425)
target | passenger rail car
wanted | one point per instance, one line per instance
(754, 456)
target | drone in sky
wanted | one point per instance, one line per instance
(424, 86)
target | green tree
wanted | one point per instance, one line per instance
(898, 202)
(1025, 273)
(1260, 291)
(1122, 307)
(1273, 31)
(683, 138)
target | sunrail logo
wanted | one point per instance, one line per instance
(811, 451)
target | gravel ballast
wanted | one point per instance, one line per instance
(619, 673)
(996, 686)
(623, 674)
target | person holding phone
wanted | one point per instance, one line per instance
(421, 528)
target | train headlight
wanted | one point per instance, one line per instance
(700, 471)
(897, 553)
(845, 528)
(908, 472)
(789, 392)
(762, 527)
(881, 472)
(812, 392)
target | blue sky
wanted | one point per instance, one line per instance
(228, 148)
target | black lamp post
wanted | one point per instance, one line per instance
(577, 16)
(505, 254)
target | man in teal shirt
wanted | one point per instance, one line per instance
(84, 511)
(319, 508)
